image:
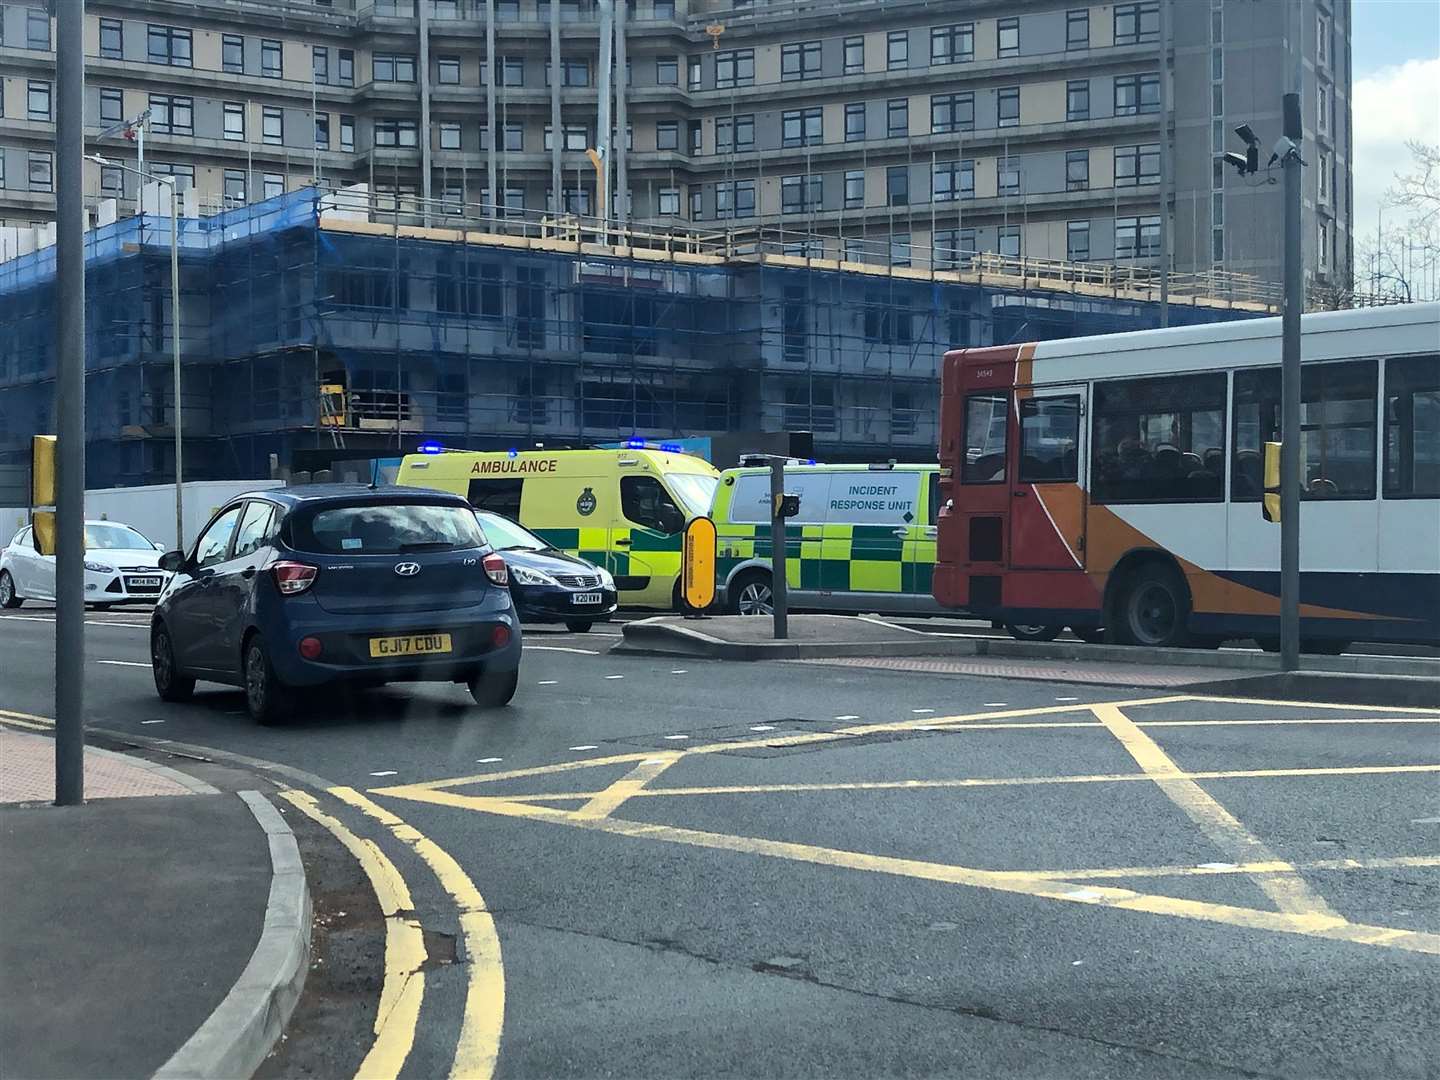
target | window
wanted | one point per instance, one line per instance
(952, 112)
(1009, 237)
(735, 199)
(40, 171)
(953, 180)
(952, 44)
(1049, 439)
(574, 71)
(37, 100)
(854, 55)
(1136, 165)
(897, 185)
(232, 54)
(1217, 64)
(170, 115)
(449, 135)
(1077, 170)
(1322, 176)
(1137, 94)
(447, 71)
(1322, 39)
(1077, 241)
(694, 71)
(112, 39)
(645, 502)
(897, 118)
(1007, 37)
(215, 541)
(886, 321)
(234, 187)
(697, 204)
(800, 60)
(855, 122)
(897, 50)
(1077, 99)
(1077, 29)
(345, 67)
(1412, 426)
(952, 248)
(1007, 107)
(1137, 237)
(184, 174)
(1322, 102)
(987, 418)
(112, 106)
(167, 45)
(1217, 100)
(513, 137)
(734, 133)
(233, 118)
(272, 128)
(320, 64)
(512, 71)
(272, 185)
(669, 204)
(1322, 243)
(400, 133)
(854, 189)
(800, 194)
(667, 70)
(347, 134)
(254, 528)
(271, 59)
(1159, 440)
(734, 68)
(664, 9)
(395, 67)
(801, 127)
(112, 180)
(37, 28)
(697, 136)
(1337, 429)
(900, 249)
(667, 135)
(1136, 24)
(1007, 177)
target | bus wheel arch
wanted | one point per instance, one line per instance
(1147, 601)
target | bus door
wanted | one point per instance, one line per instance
(1047, 505)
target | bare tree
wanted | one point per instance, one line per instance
(1420, 190)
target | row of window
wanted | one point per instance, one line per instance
(1163, 439)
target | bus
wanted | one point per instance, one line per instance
(1113, 484)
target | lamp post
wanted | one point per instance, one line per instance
(174, 329)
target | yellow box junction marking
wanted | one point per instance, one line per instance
(404, 986)
(1310, 916)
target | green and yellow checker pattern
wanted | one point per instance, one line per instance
(837, 558)
(649, 554)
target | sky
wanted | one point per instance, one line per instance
(1395, 57)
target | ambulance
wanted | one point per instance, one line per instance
(622, 509)
(863, 540)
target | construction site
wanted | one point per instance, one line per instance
(340, 319)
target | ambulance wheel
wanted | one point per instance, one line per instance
(1033, 631)
(751, 594)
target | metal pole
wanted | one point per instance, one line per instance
(427, 191)
(1290, 449)
(175, 354)
(1165, 178)
(70, 405)
(779, 588)
(622, 119)
(602, 134)
(494, 136)
(557, 179)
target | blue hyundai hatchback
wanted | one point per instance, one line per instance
(336, 584)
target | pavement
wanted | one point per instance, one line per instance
(661, 867)
(130, 920)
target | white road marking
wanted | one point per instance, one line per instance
(672, 737)
(655, 761)
(996, 704)
(680, 671)
(1084, 894)
(123, 663)
(1217, 866)
(847, 716)
(1425, 821)
(548, 682)
(488, 760)
(614, 676)
(88, 622)
(152, 721)
(586, 746)
(562, 648)
(921, 712)
(384, 772)
(762, 727)
(1067, 699)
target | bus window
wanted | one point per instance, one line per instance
(1049, 439)
(986, 417)
(1412, 426)
(1159, 440)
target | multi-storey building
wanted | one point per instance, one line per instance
(904, 131)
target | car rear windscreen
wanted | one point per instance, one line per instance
(387, 529)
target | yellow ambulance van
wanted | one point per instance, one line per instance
(622, 509)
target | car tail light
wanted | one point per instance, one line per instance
(496, 572)
(293, 578)
(500, 636)
(310, 648)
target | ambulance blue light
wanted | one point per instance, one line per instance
(810, 461)
(671, 447)
(634, 444)
(430, 448)
(513, 452)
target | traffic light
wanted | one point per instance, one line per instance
(42, 493)
(1270, 502)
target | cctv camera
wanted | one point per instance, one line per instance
(1284, 147)
(1246, 135)
(1238, 160)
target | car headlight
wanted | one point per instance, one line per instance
(523, 575)
(607, 580)
(98, 567)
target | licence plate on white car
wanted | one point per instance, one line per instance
(586, 598)
(143, 582)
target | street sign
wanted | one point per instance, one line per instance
(697, 572)
(42, 493)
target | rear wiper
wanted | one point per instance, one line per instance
(428, 545)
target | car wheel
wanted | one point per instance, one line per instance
(267, 699)
(494, 691)
(1154, 608)
(752, 595)
(8, 596)
(1091, 635)
(170, 684)
(1033, 631)
(578, 626)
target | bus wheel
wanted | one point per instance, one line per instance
(1033, 631)
(751, 595)
(1091, 635)
(1154, 608)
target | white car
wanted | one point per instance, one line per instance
(121, 566)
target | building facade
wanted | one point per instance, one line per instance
(904, 132)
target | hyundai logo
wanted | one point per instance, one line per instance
(407, 569)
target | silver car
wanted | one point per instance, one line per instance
(121, 566)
